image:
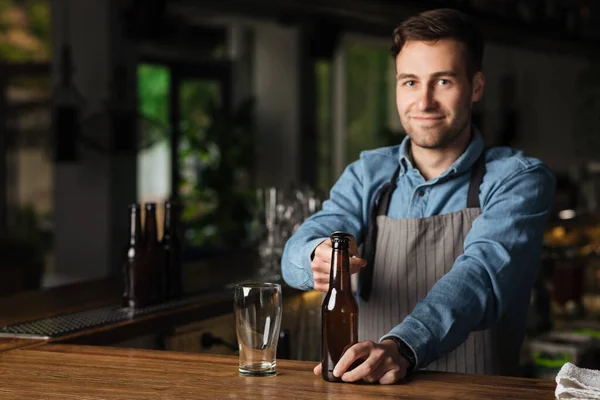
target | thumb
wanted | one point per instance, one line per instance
(318, 369)
(356, 264)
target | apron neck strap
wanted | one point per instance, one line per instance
(384, 194)
(477, 174)
(381, 205)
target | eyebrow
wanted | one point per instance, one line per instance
(434, 75)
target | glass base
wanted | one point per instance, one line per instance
(258, 369)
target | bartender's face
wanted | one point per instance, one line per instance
(434, 94)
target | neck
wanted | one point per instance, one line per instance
(433, 162)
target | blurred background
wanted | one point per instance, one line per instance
(247, 111)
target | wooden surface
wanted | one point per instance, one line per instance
(213, 277)
(33, 305)
(28, 306)
(159, 322)
(13, 343)
(57, 371)
(209, 275)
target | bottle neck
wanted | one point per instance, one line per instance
(170, 224)
(340, 270)
(150, 228)
(135, 227)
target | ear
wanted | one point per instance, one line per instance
(478, 86)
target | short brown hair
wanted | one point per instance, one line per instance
(444, 23)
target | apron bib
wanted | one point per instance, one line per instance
(406, 257)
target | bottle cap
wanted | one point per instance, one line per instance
(172, 205)
(340, 237)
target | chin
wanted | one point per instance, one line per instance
(435, 137)
(429, 140)
(430, 144)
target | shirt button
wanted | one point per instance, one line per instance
(421, 193)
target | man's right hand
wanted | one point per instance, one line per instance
(321, 263)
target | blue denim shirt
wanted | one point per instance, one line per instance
(501, 256)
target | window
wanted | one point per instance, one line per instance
(154, 159)
(369, 118)
(371, 101)
(212, 146)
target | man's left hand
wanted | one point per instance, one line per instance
(382, 363)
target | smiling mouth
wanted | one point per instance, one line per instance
(428, 118)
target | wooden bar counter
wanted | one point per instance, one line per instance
(59, 371)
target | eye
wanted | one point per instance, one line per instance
(409, 83)
(443, 82)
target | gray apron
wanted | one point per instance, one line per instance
(406, 257)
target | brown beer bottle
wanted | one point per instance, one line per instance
(339, 313)
(171, 245)
(137, 288)
(153, 254)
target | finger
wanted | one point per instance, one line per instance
(367, 369)
(392, 376)
(323, 250)
(321, 287)
(322, 258)
(318, 369)
(356, 352)
(380, 371)
(320, 266)
(323, 267)
(356, 264)
(321, 277)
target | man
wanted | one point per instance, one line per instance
(452, 232)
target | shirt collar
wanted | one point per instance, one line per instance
(462, 164)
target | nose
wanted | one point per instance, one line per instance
(426, 99)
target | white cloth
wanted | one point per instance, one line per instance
(573, 382)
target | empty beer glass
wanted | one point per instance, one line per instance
(257, 309)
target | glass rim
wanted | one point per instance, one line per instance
(258, 285)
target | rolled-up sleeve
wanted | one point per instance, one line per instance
(497, 269)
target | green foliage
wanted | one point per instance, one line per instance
(368, 98)
(39, 19)
(219, 199)
(153, 82)
(9, 52)
(25, 30)
(215, 156)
